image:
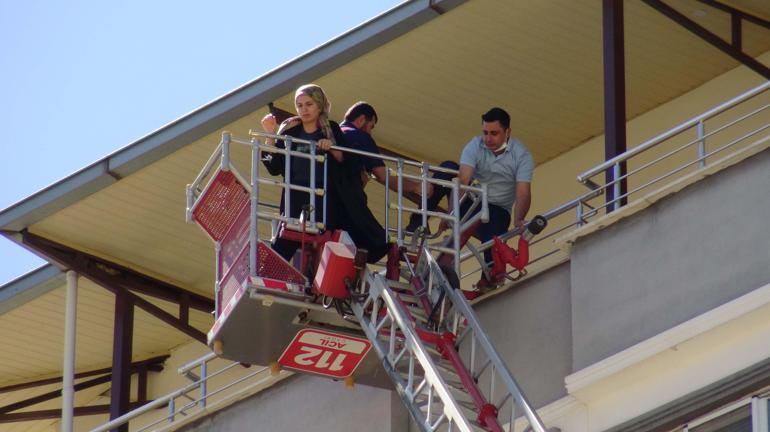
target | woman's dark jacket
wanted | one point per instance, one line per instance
(345, 200)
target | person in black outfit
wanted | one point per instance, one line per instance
(346, 201)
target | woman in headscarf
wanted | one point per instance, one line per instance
(311, 123)
(346, 201)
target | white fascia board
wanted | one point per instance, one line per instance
(220, 112)
(30, 286)
(668, 339)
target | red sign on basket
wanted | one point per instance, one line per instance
(325, 353)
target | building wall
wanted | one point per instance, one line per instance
(531, 328)
(310, 403)
(682, 256)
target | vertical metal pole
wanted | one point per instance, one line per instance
(312, 185)
(287, 178)
(513, 412)
(68, 385)
(400, 178)
(424, 192)
(387, 203)
(492, 382)
(225, 151)
(701, 131)
(217, 278)
(616, 192)
(121, 357)
(171, 409)
(614, 94)
(484, 203)
(755, 416)
(188, 212)
(579, 214)
(759, 414)
(326, 180)
(254, 220)
(204, 380)
(456, 230)
(736, 31)
(473, 353)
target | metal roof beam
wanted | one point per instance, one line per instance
(737, 13)
(52, 395)
(154, 364)
(703, 33)
(121, 281)
(110, 274)
(56, 413)
(614, 95)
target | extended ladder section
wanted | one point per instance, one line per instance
(444, 367)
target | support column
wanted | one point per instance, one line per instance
(121, 356)
(68, 376)
(614, 96)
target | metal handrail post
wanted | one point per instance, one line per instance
(579, 214)
(225, 151)
(254, 217)
(616, 186)
(424, 192)
(387, 203)
(217, 278)
(287, 176)
(189, 199)
(700, 130)
(203, 380)
(456, 228)
(326, 180)
(312, 185)
(484, 203)
(171, 409)
(399, 199)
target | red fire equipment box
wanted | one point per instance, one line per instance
(336, 265)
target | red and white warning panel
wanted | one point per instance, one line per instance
(325, 353)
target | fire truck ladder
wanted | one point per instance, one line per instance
(443, 365)
(424, 331)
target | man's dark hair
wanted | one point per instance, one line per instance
(360, 108)
(497, 114)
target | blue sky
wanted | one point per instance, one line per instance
(81, 79)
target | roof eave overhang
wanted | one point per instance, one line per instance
(29, 286)
(220, 112)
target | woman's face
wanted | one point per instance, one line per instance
(307, 109)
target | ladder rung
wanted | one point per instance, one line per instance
(400, 286)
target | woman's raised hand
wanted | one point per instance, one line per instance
(269, 124)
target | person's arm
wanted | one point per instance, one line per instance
(525, 166)
(523, 200)
(465, 175)
(412, 188)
